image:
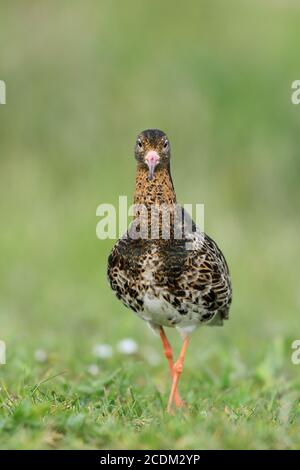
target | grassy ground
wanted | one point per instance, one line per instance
(231, 405)
(82, 80)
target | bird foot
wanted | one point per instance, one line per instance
(179, 405)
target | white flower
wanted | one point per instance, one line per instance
(102, 351)
(93, 369)
(127, 346)
(40, 355)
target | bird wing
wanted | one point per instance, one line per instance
(197, 276)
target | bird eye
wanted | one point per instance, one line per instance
(139, 142)
(166, 144)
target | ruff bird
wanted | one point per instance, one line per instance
(168, 275)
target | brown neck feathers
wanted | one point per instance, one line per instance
(158, 191)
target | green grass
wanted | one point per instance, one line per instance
(82, 80)
(230, 405)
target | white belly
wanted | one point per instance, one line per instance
(159, 312)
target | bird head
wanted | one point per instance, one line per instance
(152, 150)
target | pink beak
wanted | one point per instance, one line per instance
(152, 159)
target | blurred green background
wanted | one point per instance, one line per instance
(83, 78)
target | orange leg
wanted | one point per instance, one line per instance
(168, 352)
(177, 370)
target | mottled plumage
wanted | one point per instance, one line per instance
(191, 286)
(172, 282)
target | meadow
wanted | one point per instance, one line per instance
(82, 80)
